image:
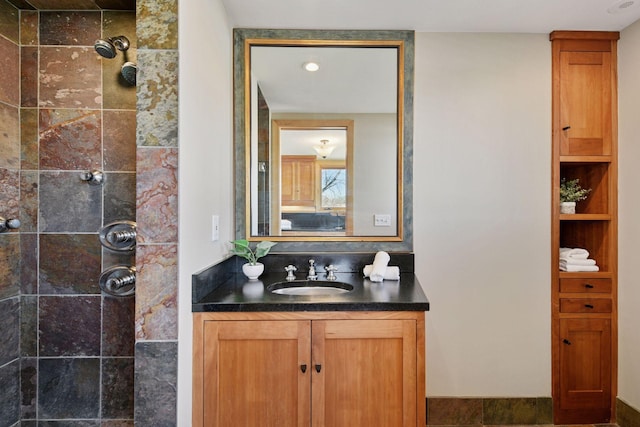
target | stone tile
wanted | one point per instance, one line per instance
(155, 384)
(64, 4)
(29, 387)
(9, 330)
(68, 204)
(157, 24)
(157, 102)
(117, 423)
(69, 326)
(118, 336)
(454, 411)
(9, 265)
(156, 292)
(70, 139)
(627, 415)
(117, 387)
(9, 193)
(29, 76)
(544, 410)
(117, 5)
(9, 22)
(69, 264)
(10, 76)
(504, 411)
(111, 258)
(69, 423)
(29, 156)
(28, 201)
(28, 326)
(157, 193)
(9, 136)
(119, 197)
(69, 28)
(28, 263)
(10, 390)
(69, 388)
(117, 93)
(119, 140)
(29, 28)
(70, 77)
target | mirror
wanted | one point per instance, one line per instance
(324, 156)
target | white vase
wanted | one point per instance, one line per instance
(567, 207)
(253, 271)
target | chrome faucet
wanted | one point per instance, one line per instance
(331, 269)
(312, 271)
(290, 269)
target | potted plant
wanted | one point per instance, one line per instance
(252, 269)
(570, 193)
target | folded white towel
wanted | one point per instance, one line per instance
(577, 261)
(574, 253)
(574, 268)
(392, 272)
(379, 266)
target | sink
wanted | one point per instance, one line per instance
(309, 287)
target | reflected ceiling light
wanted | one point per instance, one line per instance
(323, 149)
(311, 66)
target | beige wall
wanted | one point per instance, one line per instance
(629, 212)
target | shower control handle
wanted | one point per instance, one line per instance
(94, 177)
(9, 224)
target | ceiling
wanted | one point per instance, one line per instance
(517, 16)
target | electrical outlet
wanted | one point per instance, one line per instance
(215, 228)
(382, 220)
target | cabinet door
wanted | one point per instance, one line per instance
(585, 369)
(298, 181)
(261, 382)
(364, 373)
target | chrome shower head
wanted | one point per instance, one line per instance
(107, 48)
(129, 71)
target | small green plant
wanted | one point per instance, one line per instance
(571, 191)
(242, 249)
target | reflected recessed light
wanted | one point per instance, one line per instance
(311, 66)
(623, 6)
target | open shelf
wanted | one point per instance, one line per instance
(585, 217)
(590, 235)
(594, 176)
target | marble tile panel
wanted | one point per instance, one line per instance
(29, 28)
(9, 265)
(70, 77)
(9, 136)
(157, 195)
(9, 22)
(28, 326)
(68, 204)
(21, 4)
(454, 411)
(117, 4)
(544, 410)
(28, 263)
(157, 24)
(9, 193)
(10, 76)
(28, 387)
(118, 336)
(497, 411)
(155, 384)
(156, 292)
(64, 4)
(69, 28)
(68, 388)
(29, 139)
(29, 201)
(70, 423)
(69, 264)
(627, 415)
(10, 390)
(117, 423)
(29, 76)
(157, 101)
(70, 139)
(9, 330)
(119, 197)
(117, 387)
(69, 326)
(119, 140)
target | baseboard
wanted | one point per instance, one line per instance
(626, 415)
(489, 411)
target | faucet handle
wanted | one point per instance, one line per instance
(331, 269)
(290, 269)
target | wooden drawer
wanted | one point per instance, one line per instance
(585, 305)
(597, 286)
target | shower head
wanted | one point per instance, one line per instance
(107, 48)
(129, 71)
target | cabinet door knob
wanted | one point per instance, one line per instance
(588, 285)
(318, 368)
(566, 128)
(303, 368)
(588, 305)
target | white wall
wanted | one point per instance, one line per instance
(628, 214)
(482, 174)
(206, 160)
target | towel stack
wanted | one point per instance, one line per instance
(576, 259)
(379, 270)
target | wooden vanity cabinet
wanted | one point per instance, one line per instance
(309, 369)
(584, 304)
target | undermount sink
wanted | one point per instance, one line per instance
(309, 287)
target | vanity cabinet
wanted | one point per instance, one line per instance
(584, 304)
(309, 369)
(298, 181)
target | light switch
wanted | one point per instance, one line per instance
(215, 228)
(382, 220)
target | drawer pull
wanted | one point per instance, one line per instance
(588, 305)
(318, 368)
(566, 128)
(566, 341)
(588, 285)
(303, 368)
